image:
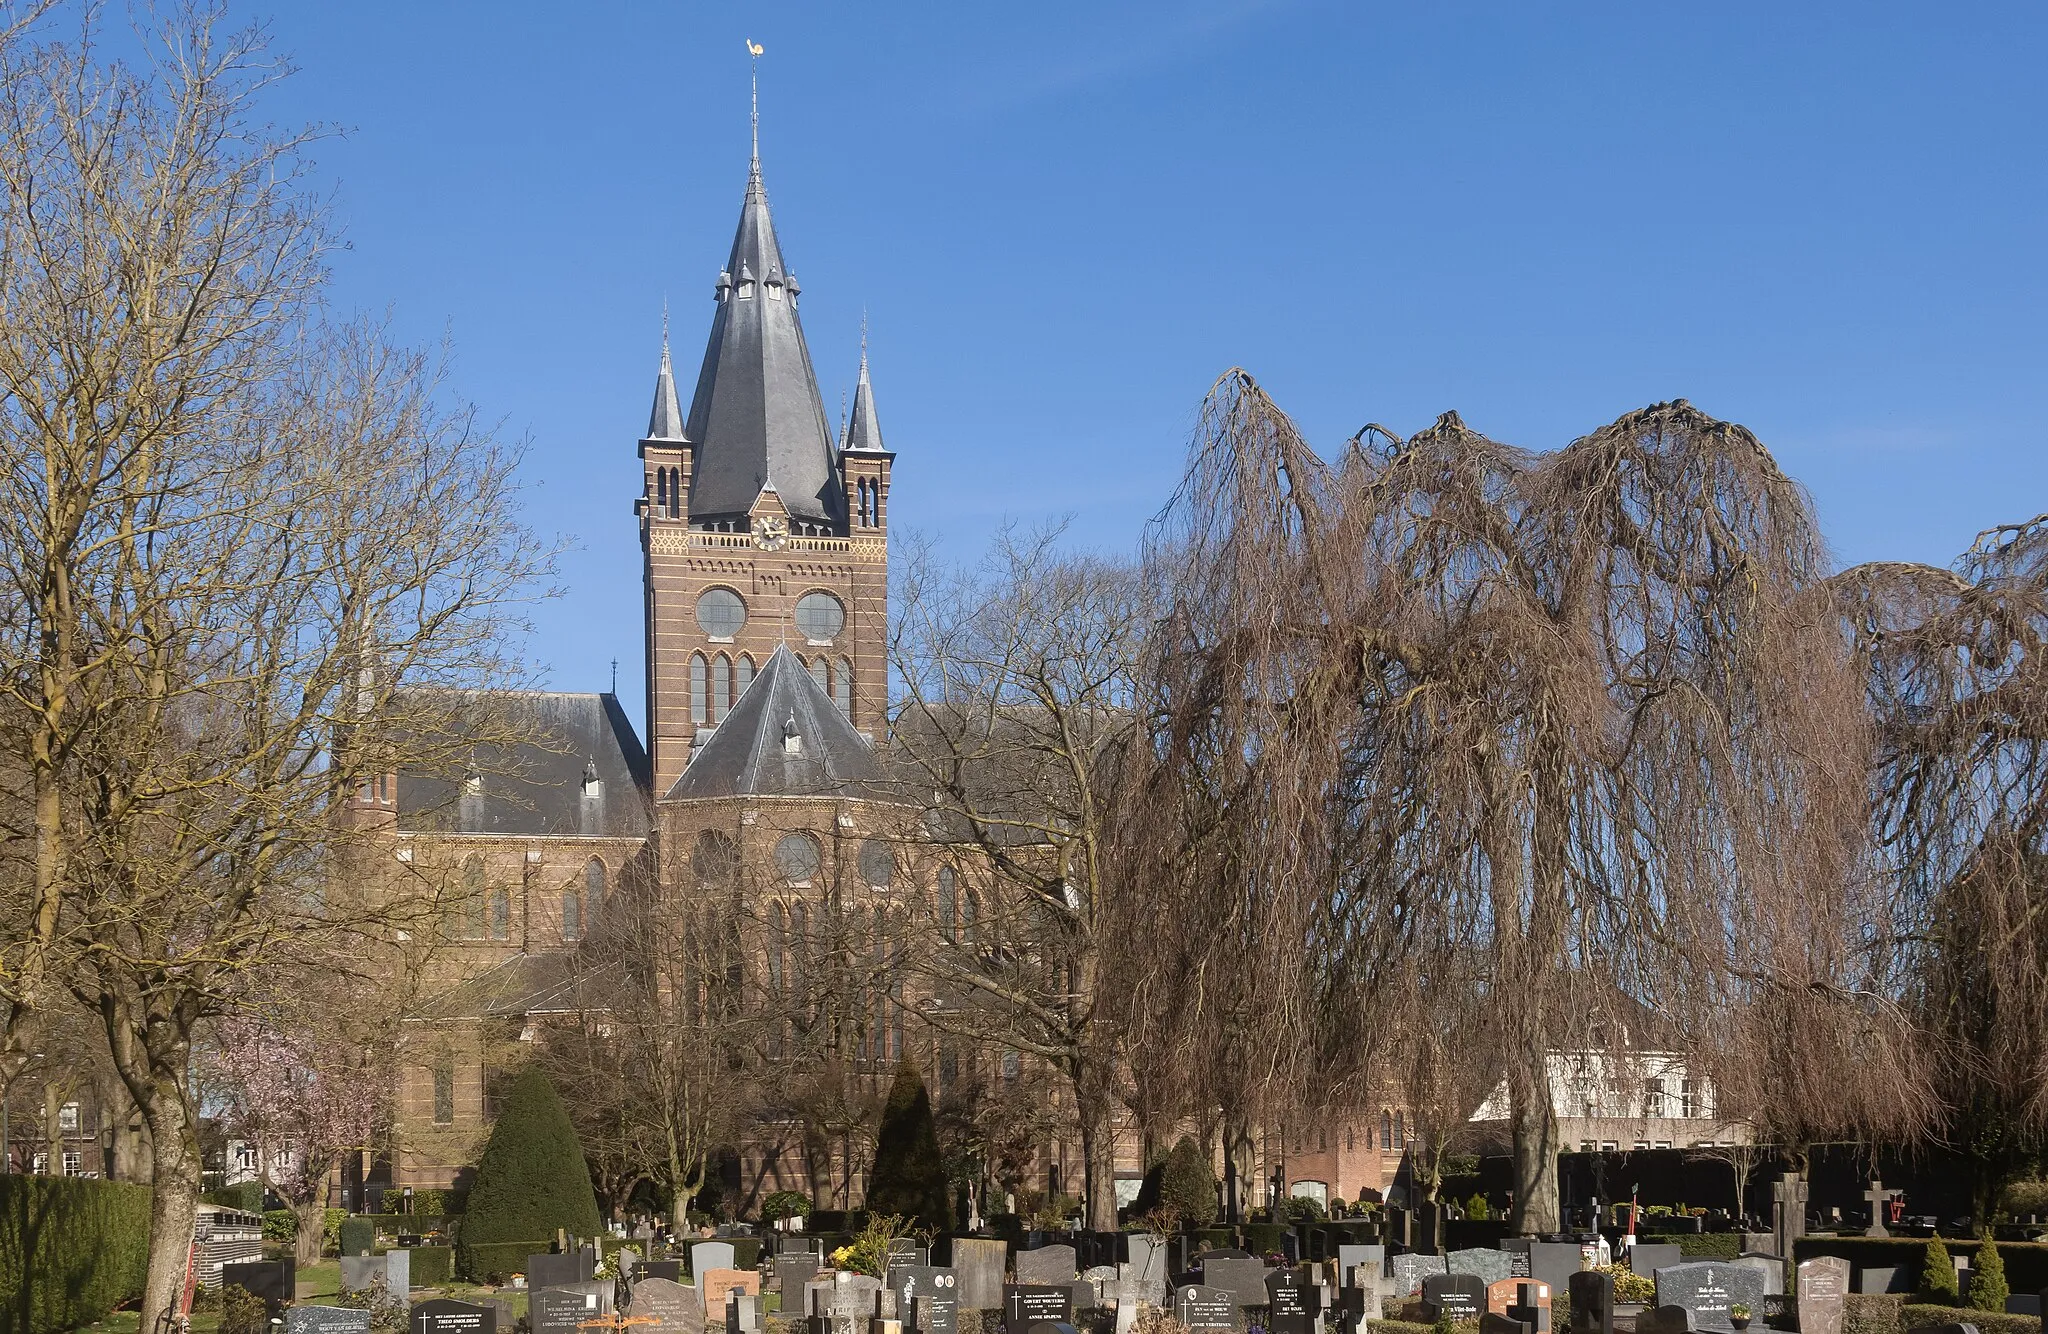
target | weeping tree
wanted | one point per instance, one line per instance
(1486, 735)
(1958, 692)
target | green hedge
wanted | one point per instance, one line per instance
(1699, 1245)
(1263, 1239)
(1397, 1327)
(491, 1261)
(70, 1250)
(247, 1197)
(433, 1266)
(2026, 1262)
(1917, 1319)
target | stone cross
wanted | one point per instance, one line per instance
(1877, 1197)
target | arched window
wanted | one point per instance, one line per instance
(572, 915)
(798, 859)
(878, 950)
(745, 670)
(1386, 1129)
(661, 490)
(971, 923)
(715, 860)
(1400, 1130)
(778, 937)
(822, 675)
(697, 688)
(799, 944)
(877, 863)
(842, 688)
(593, 890)
(721, 688)
(1350, 1138)
(501, 914)
(949, 905)
(472, 896)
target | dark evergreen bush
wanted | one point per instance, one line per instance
(532, 1180)
(1188, 1186)
(70, 1250)
(909, 1178)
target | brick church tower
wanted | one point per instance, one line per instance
(758, 528)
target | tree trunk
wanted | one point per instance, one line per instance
(174, 1186)
(1532, 1123)
(311, 1214)
(1097, 1112)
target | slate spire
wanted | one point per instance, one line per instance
(862, 430)
(665, 422)
(757, 413)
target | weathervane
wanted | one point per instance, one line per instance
(754, 50)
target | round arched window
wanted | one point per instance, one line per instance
(720, 613)
(715, 860)
(877, 864)
(820, 616)
(796, 857)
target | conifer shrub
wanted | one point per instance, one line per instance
(71, 1250)
(532, 1180)
(1188, 1187)
(1938, 1276)
(1988, 1288)
(909, 1177)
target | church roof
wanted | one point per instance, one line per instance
(862, 430)
(784, 738)
(545, 982)
(756, 413)
(665, 422)
(582, 774)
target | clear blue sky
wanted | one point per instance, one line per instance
(1066, 219)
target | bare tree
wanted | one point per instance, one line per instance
(1017, 701)
(1562, 723)
(240, 544)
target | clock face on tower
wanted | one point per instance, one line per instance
(769, 532)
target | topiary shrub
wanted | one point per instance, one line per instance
(71, 1250)
(909, 1178)
(1988, 1288)
(1188, 1187)
(1938, 1276)
(532, 1179)
(356, 1236)
(1478, 1209)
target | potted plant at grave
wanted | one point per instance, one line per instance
(1738, 1316)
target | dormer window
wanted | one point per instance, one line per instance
(593, 786)
(792, 739)
(774, 290)
(746, 289)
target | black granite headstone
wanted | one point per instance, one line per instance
(452, 1317)
(1592, 1303)
(1201, 1307)
(1028, 1304)
(1291, 1305)
(272, 1280)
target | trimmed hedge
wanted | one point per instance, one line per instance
(532, 1179)
(1263, 1239)
(71, 1250)
(1917, 1319)
(432, 1266)
(2026, 1262)
(493, 1261)
(1398, 1327)
(1699, 1245)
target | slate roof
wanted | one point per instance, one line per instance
(665, 422)
(863, 432)
(749, 754)
(541, 787)
(756, 415)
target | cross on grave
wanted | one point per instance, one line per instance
(1877, 1197)
(1788, 1203)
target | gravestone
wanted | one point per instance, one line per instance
(1664, 1320)
(1708, 1289)
(1046, 1264)
(1823, 1294)
(453, 1317)
(1788, 1213)
(1144, 1277)
(1771, 1268)
(2023, 1303)
(847, 1301)
(708, 1255)
(1877, 1280)
(1201, 1306)
(1457, 1297)
(787, 1244)
(325, 1320)
(1513, 1292)
(676, 1309)
(743, 1312)
(1492, 1323)
(936, 1315)
(1645, 1261)
(560, 1310)
(1244, 1280)
(556, 1271)
(927, 1297)
(714, 1284)
(398, 1272)
(1484, 1262)
(906, 1251)
(1554, 1262)
(359, 1273)
(1102, 1284)
(1350, 1257)
(1410, 1270)
(1292, 1306)
(979, 1263)
(1877, 1197)
(792, 1271)
(272, 1280)
(672, 1270)
(1592, 1301)
(1028, 1304)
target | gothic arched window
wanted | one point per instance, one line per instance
(593, 890)
(949, 904)
(698, 688)
(472, 897)
(744, 673)
(842, 688)
(1386, 1129)
(501, 914)
(572, 915)
(721, 688)
(715, 860)
(1400, 1130)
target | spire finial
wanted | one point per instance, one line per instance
(664, 328)
(754, 50)
(863, 342)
